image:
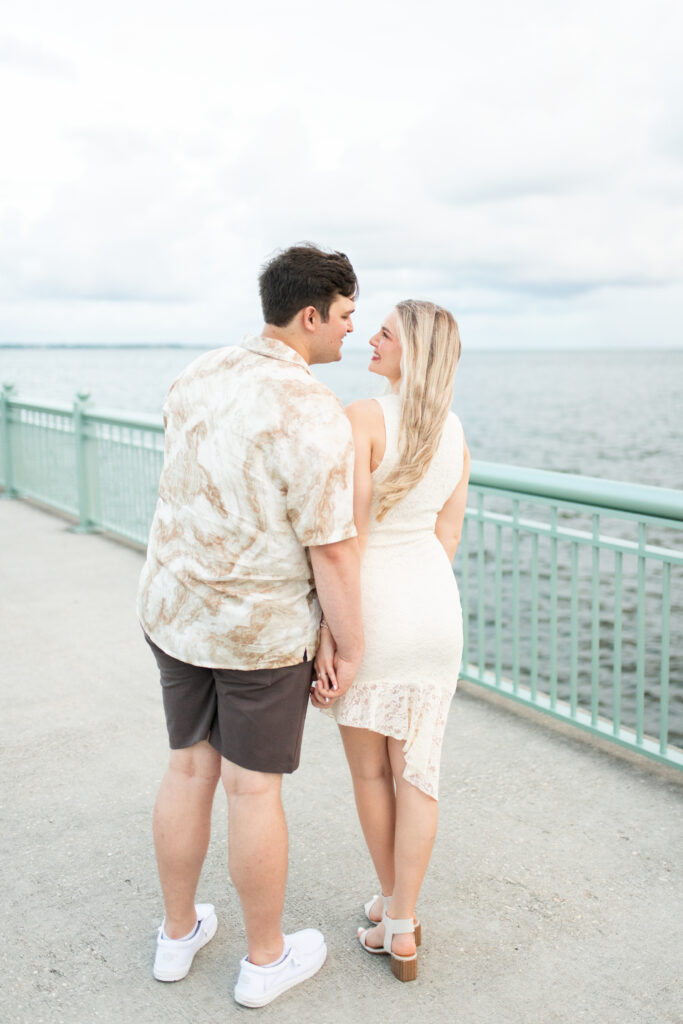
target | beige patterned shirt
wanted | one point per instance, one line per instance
(258, 466)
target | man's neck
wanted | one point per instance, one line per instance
(292, 339)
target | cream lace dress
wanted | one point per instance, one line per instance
(411, 613)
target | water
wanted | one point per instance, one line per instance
(603, 414)
(606, 414)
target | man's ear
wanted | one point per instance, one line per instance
(310, 318)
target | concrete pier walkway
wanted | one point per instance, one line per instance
(555, 892)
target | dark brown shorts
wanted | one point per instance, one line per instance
(253, 718)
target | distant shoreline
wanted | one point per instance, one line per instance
(205, 347)
(100, 345)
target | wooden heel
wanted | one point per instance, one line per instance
(404, 968)
(418, 934)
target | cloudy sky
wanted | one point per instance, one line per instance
(520, 163)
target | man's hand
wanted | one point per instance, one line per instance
(334, 675)
(324, 658)
(324, 685)
(324, 692)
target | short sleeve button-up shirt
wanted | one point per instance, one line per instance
(258, 467)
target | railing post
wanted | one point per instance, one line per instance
(5, 419)
(84, 484)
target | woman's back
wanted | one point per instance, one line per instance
(416, 513)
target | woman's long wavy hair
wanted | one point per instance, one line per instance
(430, 350)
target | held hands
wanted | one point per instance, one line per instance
(334, 673)
(324, 688)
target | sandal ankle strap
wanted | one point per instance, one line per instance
(396, 926)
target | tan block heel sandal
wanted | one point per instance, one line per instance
(402, 967)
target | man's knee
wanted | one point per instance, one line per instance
(239, 781)
(200, 762)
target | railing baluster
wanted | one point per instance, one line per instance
(553, 607)
(515, 595)
(140, 470)
(616, 707)
(481, 596)
(534, 617)
(640, 643)
(499, 603)
(41, 443)
(595, 622)
(465, 593)
(664, 669)
(574, 632)
(85, 524)
(6, 412)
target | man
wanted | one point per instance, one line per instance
(255, 515)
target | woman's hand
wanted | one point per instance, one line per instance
(324, 687)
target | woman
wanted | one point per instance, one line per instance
(410, 489)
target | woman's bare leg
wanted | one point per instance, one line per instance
(373, 787)
(416, 823)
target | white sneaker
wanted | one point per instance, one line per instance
(174, 956)
(257, 986)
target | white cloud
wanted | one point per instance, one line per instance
(31, 58)
(520, 163)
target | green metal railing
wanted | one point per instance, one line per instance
(101, 467)
(570, 586)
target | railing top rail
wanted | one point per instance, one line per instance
(40, 406)
(144, 421)
(640, 499)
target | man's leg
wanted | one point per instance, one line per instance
(257, 851)
(182, 828)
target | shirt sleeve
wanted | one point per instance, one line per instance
(320, 486)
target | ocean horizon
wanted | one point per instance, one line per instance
(600, 413)
(202, 346)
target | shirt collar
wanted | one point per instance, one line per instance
(274, 349)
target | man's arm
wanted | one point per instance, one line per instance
(336, 568)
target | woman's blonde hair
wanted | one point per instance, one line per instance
(430, 350)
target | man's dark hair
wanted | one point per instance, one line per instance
(301, 276)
